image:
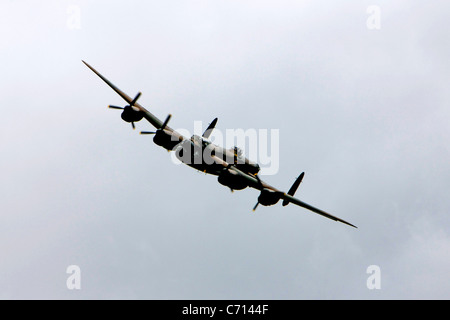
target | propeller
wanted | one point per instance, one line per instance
(260, 183)
(129, 108)
(132, 103)
(166, 122)
(164, 125)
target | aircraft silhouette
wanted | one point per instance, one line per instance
(232, 168)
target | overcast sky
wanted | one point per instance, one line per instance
(361, 105)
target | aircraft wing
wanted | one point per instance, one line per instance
(157, 123)
(296, 201)
(256, 183)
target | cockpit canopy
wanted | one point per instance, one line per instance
(200, 140)
(196, 138)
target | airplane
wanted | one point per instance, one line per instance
(232, 168)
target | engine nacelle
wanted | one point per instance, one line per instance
(269, 197)
(164, 139)
(130, 115)
(232, 180)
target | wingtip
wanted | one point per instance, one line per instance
(87, 64)
(348, 223)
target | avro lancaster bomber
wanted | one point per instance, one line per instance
(231, 167)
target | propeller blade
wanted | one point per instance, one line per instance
(166, 122)
(135, 99)
(115, 107)
(260, 183)
(147, 132)
(132, 124)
